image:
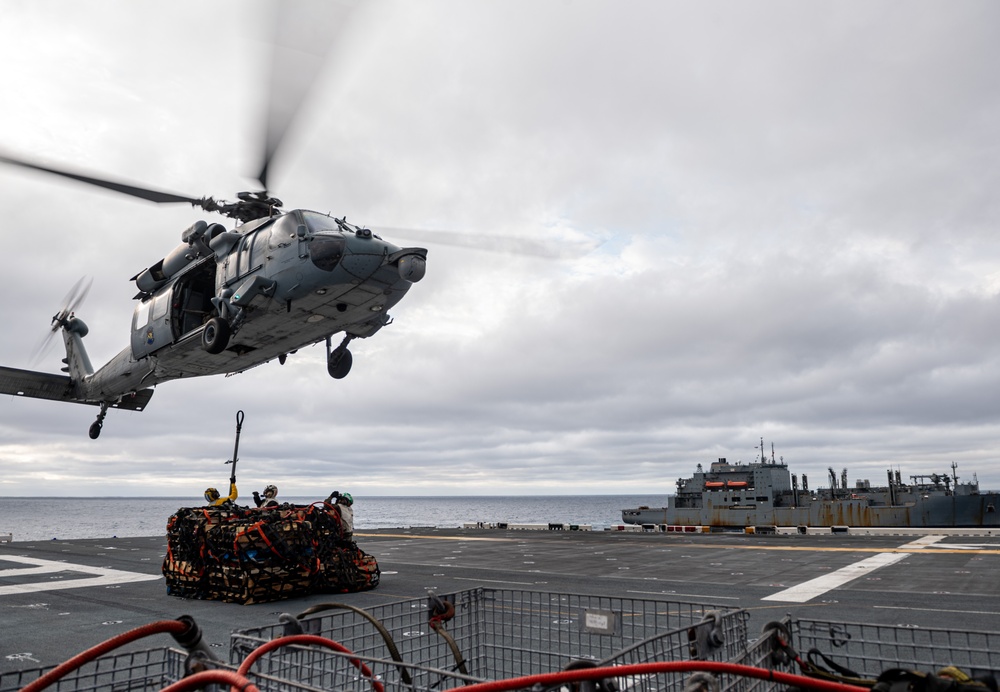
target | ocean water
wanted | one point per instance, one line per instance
(48, 518)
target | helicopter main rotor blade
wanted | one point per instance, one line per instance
(131, 190)
(303, 35)
(511, 245)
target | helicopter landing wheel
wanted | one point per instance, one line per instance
(339, 364)
(215, 336)
(95, 427)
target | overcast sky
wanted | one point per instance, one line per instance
(793, 208)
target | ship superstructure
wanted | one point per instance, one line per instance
(765, 493)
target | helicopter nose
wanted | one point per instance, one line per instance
(412, 268)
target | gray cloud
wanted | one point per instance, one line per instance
(792, 205)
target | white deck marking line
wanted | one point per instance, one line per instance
(938, 610)
(686, 595)
(924, 542)
(102, 576)
(492, 581)
(809, 590)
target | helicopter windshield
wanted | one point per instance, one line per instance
(326, 250)
(327, 246)
(319, 222)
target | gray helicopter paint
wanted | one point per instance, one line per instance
(151, 324)
(267, 287)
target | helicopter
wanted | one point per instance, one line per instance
(226, 300)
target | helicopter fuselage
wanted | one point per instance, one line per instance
(285, 282)
(226, 301)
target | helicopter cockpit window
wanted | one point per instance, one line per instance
(160, 305)
(141, 318)
(326, 246)
(319, 222)
(326, 251)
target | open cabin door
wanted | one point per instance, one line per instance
(175, 311)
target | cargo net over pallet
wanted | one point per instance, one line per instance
(242, 555)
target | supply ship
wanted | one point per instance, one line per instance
(763, 493)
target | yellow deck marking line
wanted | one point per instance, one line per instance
(820, 549)
(794, 548)
(434, 538)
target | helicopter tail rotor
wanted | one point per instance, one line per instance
(73, 300)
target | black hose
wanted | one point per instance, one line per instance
(455, 651)
(389, 643)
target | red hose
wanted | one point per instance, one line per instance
(547, 679)
(172, 626)
(207, 677)
(244, 668)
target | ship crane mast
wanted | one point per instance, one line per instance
(934, 478)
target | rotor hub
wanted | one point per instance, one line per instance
(251, 205)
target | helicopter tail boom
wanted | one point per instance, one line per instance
(43, 385)
(76, 386)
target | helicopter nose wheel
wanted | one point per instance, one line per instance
(339, 364)
(95, 427)
(339, 360)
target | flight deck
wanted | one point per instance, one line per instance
(58, 598)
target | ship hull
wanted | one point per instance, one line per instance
(932, 512)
